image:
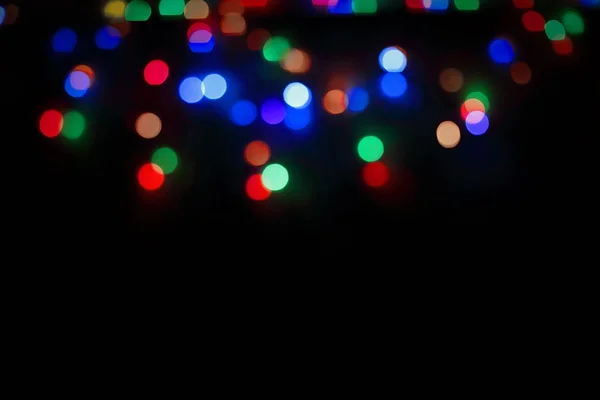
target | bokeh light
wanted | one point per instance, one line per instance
(358, 99)
(64, 40)
(243, 113)
(150, 176)
(501, 51)
(74, 125)
(275, 177)
(370, 148)
(108, 38)
(166, 159)
(392, 59)
(451, 80)
(257, 153)
(214, 86)
(255, 189)
(190, 90)
(448, 134)
(273, 111)
(520, 73)
(148, 125)
(393, 84)
(376, 174)
(156, 72)
(297, 95)
(335, 101)
(477, 123)
(51, 123)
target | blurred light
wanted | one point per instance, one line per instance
(214, 86)
(563, 47)
(370, 148)
(296, 61)
(448, 134)
(51, 123)
(342, 7)
(523, 4)
(297, 118)
(150, 176)
(275, 49)
(255, 189)
(166, 159)
(555, 30)
(275, 177)
(392, 59)
(156, 72)
(243, 113)
(114, 9)
(64, 40)
(501, 51)
(108, 38)
(73, 125)
(171, 8)
(335, 101)
(481, 97)
(466, 5)
(196, 9)
(533, 21)
(273, 111)
(364, 6)
(190, 90)
(521, 73)
(233, 24)
(257, 39)
(573, 22)
(148, 125)
(451, 80)
(230, 7)
(393, 84)
(471, 105)
(87, 70)
(477, 123)
(297, 95)
(138, 10)
(358, 99)
(376, 174)
(79, 80)
(257, 153)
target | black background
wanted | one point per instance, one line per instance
(534, 170)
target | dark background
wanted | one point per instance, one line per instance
(534, 170)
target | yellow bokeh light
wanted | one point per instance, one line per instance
(115, 9)
(148, 125)
(196, 9)
(448, 134)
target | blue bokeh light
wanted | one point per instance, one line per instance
(108, 38)
(501, 51)
(190, 90)
(358, 99)
(64, 40)
(297, 118)
(2, 14)
(297, 95)
(477, 123)
(243, 113)
(392, 59)
(71, 91)
(393, 84)
(202, 47)
(342, 7)
(214, 86)
(273, 111)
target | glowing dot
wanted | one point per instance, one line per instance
(51, 123)
(392, 59)
(297, 95)
(358, 99)
(273, 111)
(156, 72)
(257, 153)
(501, 51)
(335, 102)
(275, 49)
(79, 80)
(108, 38)
(214, 86)
(555, 30)
(74, 125)
(376, 174)
(275, 177)
(196, 9)
(521, 73)
(166, 159)
(148, 125)
(255, 189)
(448, 134)
(393, 84)
(190, 90)
(477, 123)
(481, 97)
(243, 113)
(150, 176)
(370, 148)
(451, 80)
(64, 40)
(138, 10)
(471, 105)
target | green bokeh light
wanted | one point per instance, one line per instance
(275, 177)
(171, 7)
(481, 97)
(466, 5)
(364, 6)
(370, 148)
(73, 125)
(275, 48)
(555, 30)
(138, 10)
(166, 158)
(573, 22)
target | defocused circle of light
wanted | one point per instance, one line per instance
(11, 13)
(393, 84)
(573, 22)
(71, 91)
(436, 5)
(255, 189)
(243, 113)
(74, 125)
(471, 105)
(51, 123)
(230, 6)
(501, 51)
(392, 59)
(273, 111)
(233, 25)
(590, 3)
(156, 72)
(86, 70)
(108, 38)
(297, 95)
(481, 97)
(335, 101)
(79, 80)
(166, 159)
(521, 73)
(214, 86)
(64, 40)
(196, 9)
(376, 174)
(198, 27)
(148, 125)
(275, 177)
(451, 80)
(150, 176)
(563, 47)
(275, 49)
(190, 90)
(533, 21)
(257, 39)
(171, 8)
(364, 6)
(257, 153)
(297, 118)
(2, 14)
(477, 123)
(523, 4)
(114, 9)
(202, 42)
(370, 148)
(296, 61)
(555, 30)
(466, 5)
(358, 99)
(138, 10)
(448, 134)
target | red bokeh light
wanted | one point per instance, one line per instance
(534, 21)
(523, 3)
(151, 176)
(51, 123)
(255, 188)
(563, 47)
(156, 72)
(376, 174)
(254, 3)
